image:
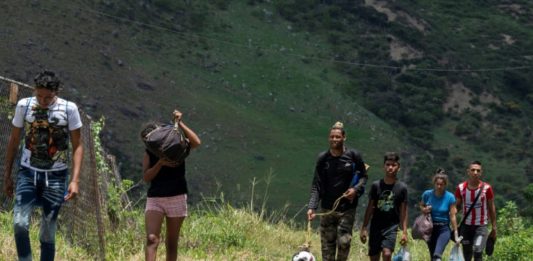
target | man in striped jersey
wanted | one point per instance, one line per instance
(474, 228)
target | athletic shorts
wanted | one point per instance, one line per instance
(175, 206)
(380, 238)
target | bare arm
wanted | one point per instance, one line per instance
(453, 219)
(77, 158)
(191, 135)
(77, 154)
(363, 234)
(194, 140)
(458, 203)
(368, 213)
(403, 222)
(150, 172)
(11, 151)
(492, 216)
(424, 208)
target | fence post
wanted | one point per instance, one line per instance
(13, 93)
(94, 173)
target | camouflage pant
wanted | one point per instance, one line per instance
(336, 235)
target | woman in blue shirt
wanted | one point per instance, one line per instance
(441, 204)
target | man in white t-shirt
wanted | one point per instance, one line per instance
(47, 124)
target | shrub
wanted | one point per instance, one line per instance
(516, 247)
(514, 239)
(509, 221)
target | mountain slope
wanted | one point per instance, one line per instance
(263, 81)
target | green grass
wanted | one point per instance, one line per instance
(460, 149)
(64, 250)
(218, 231)
(245, 109)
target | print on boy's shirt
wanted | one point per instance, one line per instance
(386, 201)
(46, 139)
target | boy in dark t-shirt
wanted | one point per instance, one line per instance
(387, 206)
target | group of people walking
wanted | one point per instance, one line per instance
(386, 212)
(47, 125)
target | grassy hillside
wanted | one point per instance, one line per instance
(452, 77)
(256, 105)
(262, 81)
(218, 231)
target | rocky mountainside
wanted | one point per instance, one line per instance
(262, 81)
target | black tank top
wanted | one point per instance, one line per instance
(169, 181)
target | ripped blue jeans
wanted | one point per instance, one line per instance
(35, 188)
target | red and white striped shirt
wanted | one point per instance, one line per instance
(480, 213)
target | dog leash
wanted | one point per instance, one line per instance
(307, 245)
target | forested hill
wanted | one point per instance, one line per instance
(443, 82)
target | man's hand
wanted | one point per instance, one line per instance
(8, 186)
(350, 194)
(177, 115)
(403, 241)
(363, 234)
(310, 214)
(73, 191)
(493, 233)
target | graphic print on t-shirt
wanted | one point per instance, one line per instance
(386, 201)
(45, 139)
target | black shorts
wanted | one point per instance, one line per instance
(381, 237)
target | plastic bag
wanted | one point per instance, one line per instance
(423, 227)
(456, 254)
(402, 255)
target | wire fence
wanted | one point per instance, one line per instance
(83, 220)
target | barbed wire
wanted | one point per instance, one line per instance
(15, 82)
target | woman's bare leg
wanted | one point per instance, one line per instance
(172, 237)
(153, 221)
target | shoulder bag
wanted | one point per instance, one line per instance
(467, 213)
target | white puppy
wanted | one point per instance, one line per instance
(303, 256)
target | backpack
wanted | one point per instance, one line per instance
(357, 175)
(168, 142)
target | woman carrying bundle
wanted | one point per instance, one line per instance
(167, 195)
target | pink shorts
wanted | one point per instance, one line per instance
(175, 206)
